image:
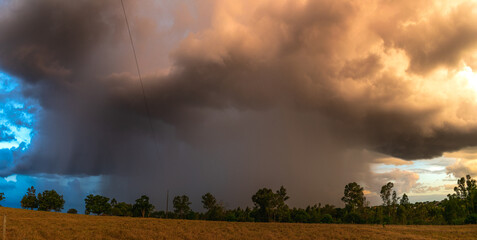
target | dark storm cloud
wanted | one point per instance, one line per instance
(50, 40)
(257, 94)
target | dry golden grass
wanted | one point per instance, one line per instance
(26, 224)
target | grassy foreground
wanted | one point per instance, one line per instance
(26, 224)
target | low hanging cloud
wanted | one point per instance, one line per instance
(463, 167)
(392, 161)
(404, 181)
(465, 162)
(427, 189)
(249, 92)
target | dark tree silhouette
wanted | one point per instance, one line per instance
(29, 200)
(269, 205)
(143, 207)
(353, 197)
(50, 200)
(181, 206)
(72, 211)
(215, 211)
(121, 208)
(97, 204)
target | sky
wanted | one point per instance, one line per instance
(242, 95)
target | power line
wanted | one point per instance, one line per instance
(146, 105)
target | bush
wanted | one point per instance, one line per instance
(471, 219)
(72, 211)
(299, 215)
(458, 221)
(353, 218)
(230, 216)
(327, 218)
(387, 220)
(158, 214)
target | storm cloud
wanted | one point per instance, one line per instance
(242, 94)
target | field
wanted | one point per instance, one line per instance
(26, 224)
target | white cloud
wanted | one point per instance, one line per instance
(11, 178)
(463, 167)
(404, 181)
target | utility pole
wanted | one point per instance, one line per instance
(167, 203)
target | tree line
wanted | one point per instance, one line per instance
(270, 206)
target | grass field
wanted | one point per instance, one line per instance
(26, 224)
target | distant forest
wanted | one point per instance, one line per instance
(269, 206)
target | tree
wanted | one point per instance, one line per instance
(214, 210)
(72, 211)
(181, 205)
(121, 209)
(270, 205)
(50, 200)
(389, 202)
(114, 202)
(401, 210)
(386, 193)
(404, 200)
(327, 218)
(465, 197)
(143, 206)
(208, 201)
(299, 215)
(395, 199)
(281, 210)
(2, 196)
(29, 200)
(264, 202)
(97, 204)
(465, 186)
(353, 198)
(472, 203)
(454, 209)
(467, 190)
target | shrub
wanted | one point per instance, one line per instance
(353, 218)
(471, 219)
(326, 218)
(72, 211)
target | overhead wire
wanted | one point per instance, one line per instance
(146, 105)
